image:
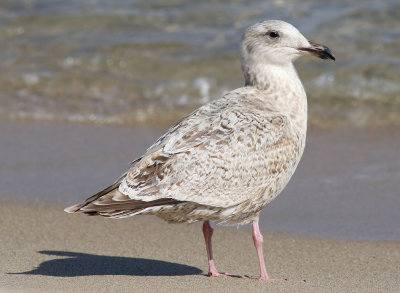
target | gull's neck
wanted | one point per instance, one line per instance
(282, 86)
(264, 76)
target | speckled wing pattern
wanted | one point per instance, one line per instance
(225, 161)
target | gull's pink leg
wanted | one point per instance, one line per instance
(258, 240)
(208, 231)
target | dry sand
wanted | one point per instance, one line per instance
(44, 249)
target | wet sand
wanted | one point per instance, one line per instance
(44, 249)
(346, 186)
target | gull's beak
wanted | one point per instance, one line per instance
(318, 50)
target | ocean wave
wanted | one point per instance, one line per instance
(150, 62)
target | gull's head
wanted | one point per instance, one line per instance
(278, 42)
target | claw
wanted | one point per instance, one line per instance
(217, 274)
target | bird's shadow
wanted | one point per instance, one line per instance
(84, 264)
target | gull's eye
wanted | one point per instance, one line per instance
(273, 34)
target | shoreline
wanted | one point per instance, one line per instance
(345, 187)
(44, 249)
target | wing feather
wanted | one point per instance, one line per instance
(194, 160)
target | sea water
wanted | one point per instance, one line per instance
(151, 62)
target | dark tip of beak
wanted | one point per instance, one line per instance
(319, 51)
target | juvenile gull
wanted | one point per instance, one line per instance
(231, 157)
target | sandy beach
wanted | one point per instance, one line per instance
(336, 224)
(43, 249)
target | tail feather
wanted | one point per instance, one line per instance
(73, 209)
(110, 202)
(77, 207)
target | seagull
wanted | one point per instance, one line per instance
(230, 158)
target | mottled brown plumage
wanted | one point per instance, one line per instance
(230, 158)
